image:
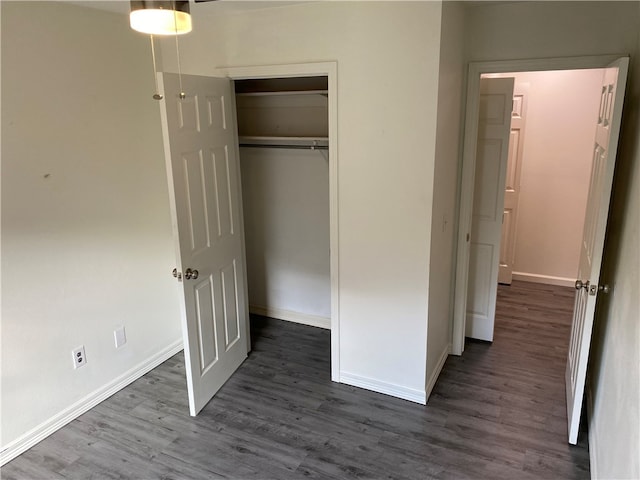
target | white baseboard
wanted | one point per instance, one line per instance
(290, 316)
(546, 279)
(431, 381)
(46, 428)
(398, 391)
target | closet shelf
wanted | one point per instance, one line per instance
(286, 92)
(313, 143)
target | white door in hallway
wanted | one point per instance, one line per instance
(494, 122)
(512, 185)
(201, 150)
(589, 284)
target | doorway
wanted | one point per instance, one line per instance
(535, 146)
(606, 129)
(468, 166)
(284, 164)
(328, 70)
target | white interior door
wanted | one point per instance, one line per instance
(494, 124)
(588, 284)
(200, 141)
(512, 185)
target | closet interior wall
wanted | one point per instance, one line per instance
(283, 134)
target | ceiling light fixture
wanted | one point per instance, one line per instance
(160, 17)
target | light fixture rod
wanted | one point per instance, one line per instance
(157, 95)
(175, 23)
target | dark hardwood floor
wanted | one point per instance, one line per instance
(497, 412)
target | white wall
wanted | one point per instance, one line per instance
(556, 29)
(541, 29)
(286, 209)
(443, 220)
(555, 172)
(387, 55)
(86, 233)
(285, 196)
(299, 115)
(615, 364)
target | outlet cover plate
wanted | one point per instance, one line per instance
(79, 357)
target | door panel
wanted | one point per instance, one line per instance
(230, 291)
(195, 186)
(479, 271)
(205, 311)
(491, 168)
(202, 165)
(224, 204)
(592, 247)
(485, 198)
(512, 185)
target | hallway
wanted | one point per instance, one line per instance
(509, 395)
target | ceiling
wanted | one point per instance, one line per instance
(122, 6)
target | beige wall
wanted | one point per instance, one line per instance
(556, 29)
(615, 362)
(542, 29)
(445, 191)
(285, 195)
(387, 60)
(286, 224)
(86, 234)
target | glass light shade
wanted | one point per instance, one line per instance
(160, 18)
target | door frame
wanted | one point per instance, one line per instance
(329, 70)
(467, 172)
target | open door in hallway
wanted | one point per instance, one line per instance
(494, 123)
(201, 145)
(588, 285)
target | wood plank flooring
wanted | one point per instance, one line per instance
(497, 412)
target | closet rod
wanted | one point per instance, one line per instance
(305, 143)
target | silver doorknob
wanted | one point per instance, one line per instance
(604, 288)
(580, 284)
(190, 274)
(176, 274)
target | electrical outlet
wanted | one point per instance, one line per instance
(119, 337)
(79, 357)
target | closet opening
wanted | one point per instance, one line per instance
(283, 136)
